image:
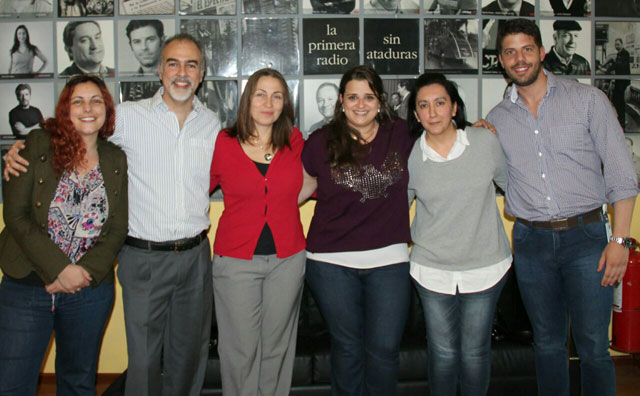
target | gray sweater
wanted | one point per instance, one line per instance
(457, 225)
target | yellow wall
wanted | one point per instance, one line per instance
(113, 356)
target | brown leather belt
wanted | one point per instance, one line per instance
(566, 223)
(177, 246)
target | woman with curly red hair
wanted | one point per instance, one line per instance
(66, 219)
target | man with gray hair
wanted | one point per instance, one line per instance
(165, 265)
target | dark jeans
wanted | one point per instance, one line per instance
(27, 319)
(365, 311)
(556, 272)
(459, 339)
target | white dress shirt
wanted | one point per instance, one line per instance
(448, 282)
(168, 167)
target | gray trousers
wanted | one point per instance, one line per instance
(257, 305)
(167, 300)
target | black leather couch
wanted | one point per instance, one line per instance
(513, 368)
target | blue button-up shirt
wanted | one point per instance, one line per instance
(571, 159)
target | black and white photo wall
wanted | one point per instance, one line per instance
(312, 42)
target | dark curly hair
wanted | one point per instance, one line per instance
(68, 147)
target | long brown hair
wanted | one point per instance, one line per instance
(68, 147)
(244, 126)
(342, 148)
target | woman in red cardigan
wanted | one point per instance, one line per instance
(258, 265)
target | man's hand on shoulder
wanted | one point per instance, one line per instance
(14, 164)
(482, 123)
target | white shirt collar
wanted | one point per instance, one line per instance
(456, 150)
(515, 8)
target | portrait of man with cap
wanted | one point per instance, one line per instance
(562, 57)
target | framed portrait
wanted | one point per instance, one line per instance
(633, 145)
(567, 45)
(259, 51)
(624, 94)
(451, 7)
(220, 41)
(26, 8)
(577, 8)
(396, 92)
(85, 46)
(490, 61)
(331, 6)
(320, 98)
(24, 105)
(392, 7)
(140, 44)
(85, 8)
(147, 7)
(133, 91)
(617, 8)
(28, 51)
(615, 50)
(215, 7)
(523, 8)
(221, 97)
(451, 45)
(269, 7)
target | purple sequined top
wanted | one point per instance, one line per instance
(77, 212)
(360, 208)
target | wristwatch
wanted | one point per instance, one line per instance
(625, 242)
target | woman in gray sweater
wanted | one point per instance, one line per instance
(461, 253)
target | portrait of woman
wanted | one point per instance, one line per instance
(23, 54)
(66, 219)
(258, 265)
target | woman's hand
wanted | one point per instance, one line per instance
(73, 278)
(14, 163)
(56, 287)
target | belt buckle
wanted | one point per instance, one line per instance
(560, 225)
(176, 247)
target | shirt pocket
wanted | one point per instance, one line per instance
(567, 143)
(199, 156)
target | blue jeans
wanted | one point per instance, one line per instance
(459, 339)
(27, 319)
(365, 311)
(556, 272)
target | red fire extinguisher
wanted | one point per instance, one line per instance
(626, 307)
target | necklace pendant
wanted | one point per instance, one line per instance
(268, 157)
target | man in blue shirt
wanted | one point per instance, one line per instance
(566, 157)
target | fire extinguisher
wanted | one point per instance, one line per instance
(626, 307)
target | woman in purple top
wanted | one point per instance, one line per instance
(357, 259)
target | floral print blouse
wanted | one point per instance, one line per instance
(77, 212)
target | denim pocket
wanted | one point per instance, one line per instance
(520, 232)
(595, 231)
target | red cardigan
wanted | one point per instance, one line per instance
(251, 200)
